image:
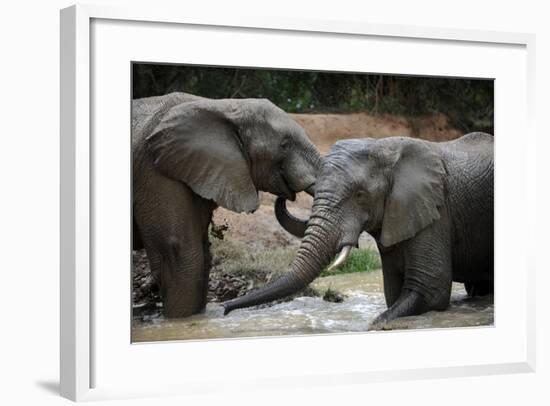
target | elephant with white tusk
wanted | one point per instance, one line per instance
(428, 205)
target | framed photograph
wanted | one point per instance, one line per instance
(288, 132)
(327, 202)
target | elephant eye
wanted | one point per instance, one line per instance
(361, 194)
(285, 144)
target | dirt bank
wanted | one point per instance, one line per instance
(325, 129)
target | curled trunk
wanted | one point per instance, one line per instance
(315, 252)
(290, 223)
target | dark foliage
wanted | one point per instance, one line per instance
(467, 102)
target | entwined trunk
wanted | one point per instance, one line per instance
(290, 223)
(317, 249)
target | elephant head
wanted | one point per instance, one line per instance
(392, 188)
(226, 150)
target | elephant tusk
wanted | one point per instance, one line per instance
(340, 259)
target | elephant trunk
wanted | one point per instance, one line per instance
(318, 247)
(291, 224)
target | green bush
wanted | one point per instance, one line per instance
(467, 102)
(235, 258)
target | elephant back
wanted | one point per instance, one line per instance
(476, 143)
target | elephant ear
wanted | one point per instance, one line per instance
(197, 143)
(417, 193)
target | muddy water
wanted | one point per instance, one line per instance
(364, 300)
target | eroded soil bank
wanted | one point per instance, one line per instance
(325, 129)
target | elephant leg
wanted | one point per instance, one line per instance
(426, 277)
(393, 284)
(409, 303)
(179, 267)
(182, 276)
(393, 277)
(174, 229)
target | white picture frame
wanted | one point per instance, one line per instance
(80, 348)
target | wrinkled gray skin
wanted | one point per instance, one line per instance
(428, 205)
(192, 154)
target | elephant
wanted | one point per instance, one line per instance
(428, 205)
(192, 154)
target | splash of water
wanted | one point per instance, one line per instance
(312, 315)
